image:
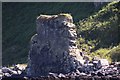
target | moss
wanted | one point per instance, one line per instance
(102, 53)
(65, 15)
(54, 16)
(44, 17)
(115, 53)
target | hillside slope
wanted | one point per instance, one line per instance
(115, 53)
(19, 24)
(100, 31)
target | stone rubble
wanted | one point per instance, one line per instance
(14, 71)
(86, 71)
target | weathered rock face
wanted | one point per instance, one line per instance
(53, 48)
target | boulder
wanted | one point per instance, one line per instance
(103, 63)
(61, 75)
(53, 75)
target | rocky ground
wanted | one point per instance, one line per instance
(89, 71)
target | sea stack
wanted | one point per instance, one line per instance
(53, 48)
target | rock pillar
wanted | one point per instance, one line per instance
(53, 48)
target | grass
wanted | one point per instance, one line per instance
(99, 33)
(115, 53)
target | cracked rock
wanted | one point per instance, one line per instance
(53, 48)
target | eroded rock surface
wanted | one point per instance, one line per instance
(53, 48)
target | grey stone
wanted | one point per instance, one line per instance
(53, 48)
(61, 75)
(103, 63)
(7, 70)
(100, 74)
(53, 75)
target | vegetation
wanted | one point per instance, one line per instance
(65, 15)
(98, 33)
(115, 53)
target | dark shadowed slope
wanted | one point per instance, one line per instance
(19, 24)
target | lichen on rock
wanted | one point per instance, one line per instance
(53, 48)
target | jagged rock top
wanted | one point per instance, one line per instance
(56, 18)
